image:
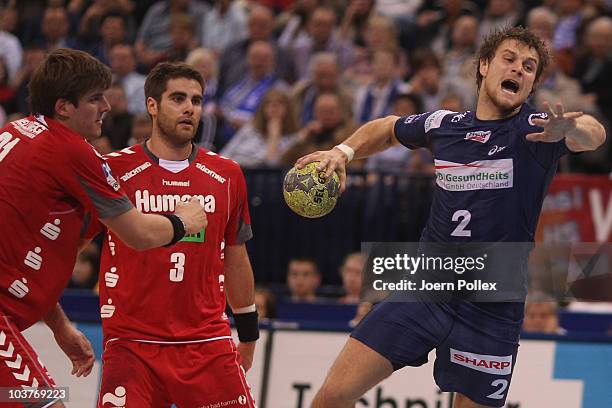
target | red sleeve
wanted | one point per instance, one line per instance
(238, 229)
(90, 180)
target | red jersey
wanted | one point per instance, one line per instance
(176, 293)
(51, 181)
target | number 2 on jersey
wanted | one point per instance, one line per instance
(464, 217)
(176, 273)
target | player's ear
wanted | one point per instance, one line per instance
(63, 108)
(151, 106)
(483, 67)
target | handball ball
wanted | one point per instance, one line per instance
(308, 193)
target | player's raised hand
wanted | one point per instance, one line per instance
(192, 214)
(556, 127)
(78, 349)
(330, 161)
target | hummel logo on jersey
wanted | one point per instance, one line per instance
(481, 136)
(500, 365)
(211, 173)
(146, 202)
(135, 171)
(109, 177)
(174, 183)
(540, 115)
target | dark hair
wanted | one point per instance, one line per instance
(290, 121)
(307, 259)
(413, 98)
(65, 74)
(158, 78)
(493, 41)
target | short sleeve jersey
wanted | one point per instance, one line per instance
(175, 293)
(51, 181)
(490, 180)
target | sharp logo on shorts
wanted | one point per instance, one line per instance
(539, 115)
(481, 136)
(174, 183)
(147, 202)
(434, 120)
(135, 171)
(109, 177)
(499, 365)
(211, 173)
(117, 399)
(478, 175)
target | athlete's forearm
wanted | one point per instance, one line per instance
(373, 137)
(56, 319)
(239, 281)
(141, 231)
(588, 135)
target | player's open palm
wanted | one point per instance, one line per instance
(330, 161)
(78, 349)
(192, 214)
(556, 126)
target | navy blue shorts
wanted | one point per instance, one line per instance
(476, 343)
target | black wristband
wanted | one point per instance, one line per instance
(178, 227)
(247, 326)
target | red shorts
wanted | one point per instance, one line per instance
(197, 375)
(19, 364)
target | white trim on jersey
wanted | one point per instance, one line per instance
(175, 166)
(168, 342)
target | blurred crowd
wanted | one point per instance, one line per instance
(286, 77)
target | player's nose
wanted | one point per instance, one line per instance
(105, 105)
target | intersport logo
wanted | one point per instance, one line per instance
(499, 365)
(478, 175)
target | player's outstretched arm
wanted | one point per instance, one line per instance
(581, 132)
(145, 231)
(72, 342)
(372, 137)
(240, 286)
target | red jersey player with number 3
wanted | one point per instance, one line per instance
(167, 338)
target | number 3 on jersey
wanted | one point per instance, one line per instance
(176, 273)
(464, 217)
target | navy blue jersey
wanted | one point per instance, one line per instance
(490, 181)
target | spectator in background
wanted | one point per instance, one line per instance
(224, 25)
(91, 29)
(123, 66)
(375, 99)
(32, 58)
(9, 19)
(7, 92)
(398, 158)
(265, 303)
(498, 15)
(117, 123)
(452, 102)
(141, 128)
(354, 20)
(233, 62)
(379, 33)
(351, 272)
(303, 279)
(10, 49)
(326, 130)
(459, 60)
(427, 81)
(293, 24)
(323, 77)
(154, 37)
(542, 315)
(565, 36)
(239, 102)
(55, 28)
(265, 139)
(182, 37)
(322, 37)
(205, 61)
(112, 31)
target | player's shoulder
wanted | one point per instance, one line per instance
(437, 119)
(125, 155)
(216, 165)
